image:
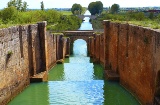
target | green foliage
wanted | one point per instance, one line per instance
(9, 14)
(151, 15)
(66, 12)
(83, 10)
(69, 22)
(140, 16)
(20, 6)
(95, 7)
(10, 53)
(76, 9)
(42, 6)
(158, 18)
(114, 8)
(56, 20)
(137, 18)
(24, 7)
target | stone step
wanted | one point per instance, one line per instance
(41, 77)
(111, 75)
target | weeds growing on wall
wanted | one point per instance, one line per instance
(8, 56)
(56, 21)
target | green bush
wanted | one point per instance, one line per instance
(158, 18)
(137, 18)
(151, 15)
(65, 23)
(9, 14)
(56, 20)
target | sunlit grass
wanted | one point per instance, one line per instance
(138, 19)
(145, 23)
(66, 12)
(148, 23)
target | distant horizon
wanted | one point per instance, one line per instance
(48, 4)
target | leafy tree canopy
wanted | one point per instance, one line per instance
(114, 8)
(95, 7)
(21, 6)
(76, 9)
(9, 13)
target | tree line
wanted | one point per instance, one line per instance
(94, 8)
(16, 13)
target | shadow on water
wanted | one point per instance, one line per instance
(76, 82)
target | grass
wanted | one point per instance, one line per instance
(148, 23)
(56, 21)
(145, 23)
(139, 19)
(66, 12)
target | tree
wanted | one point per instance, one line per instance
(42, 6)
(75, 8)
(24, 7)
(95, 7)
(114, 8)
(151, 15)
(20, 6)
(12, 3)
(9, 13)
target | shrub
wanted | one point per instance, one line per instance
(56, 20)
(151, 15)
(158, 18)
(9, 14)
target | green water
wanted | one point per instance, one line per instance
(76, 82)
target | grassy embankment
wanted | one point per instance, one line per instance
(137, 18)
(56, 21)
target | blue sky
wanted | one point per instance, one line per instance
(68, 3)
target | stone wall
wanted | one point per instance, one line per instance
(102, 49)
(134, 53)
(92, 46)
(25, 52)
(67, 47)
(97, 48)
(14, 61)
(64, 46)
(51, 50)
(59, 47)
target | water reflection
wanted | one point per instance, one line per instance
(78, 72)
(76, 92)
(86, 25)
